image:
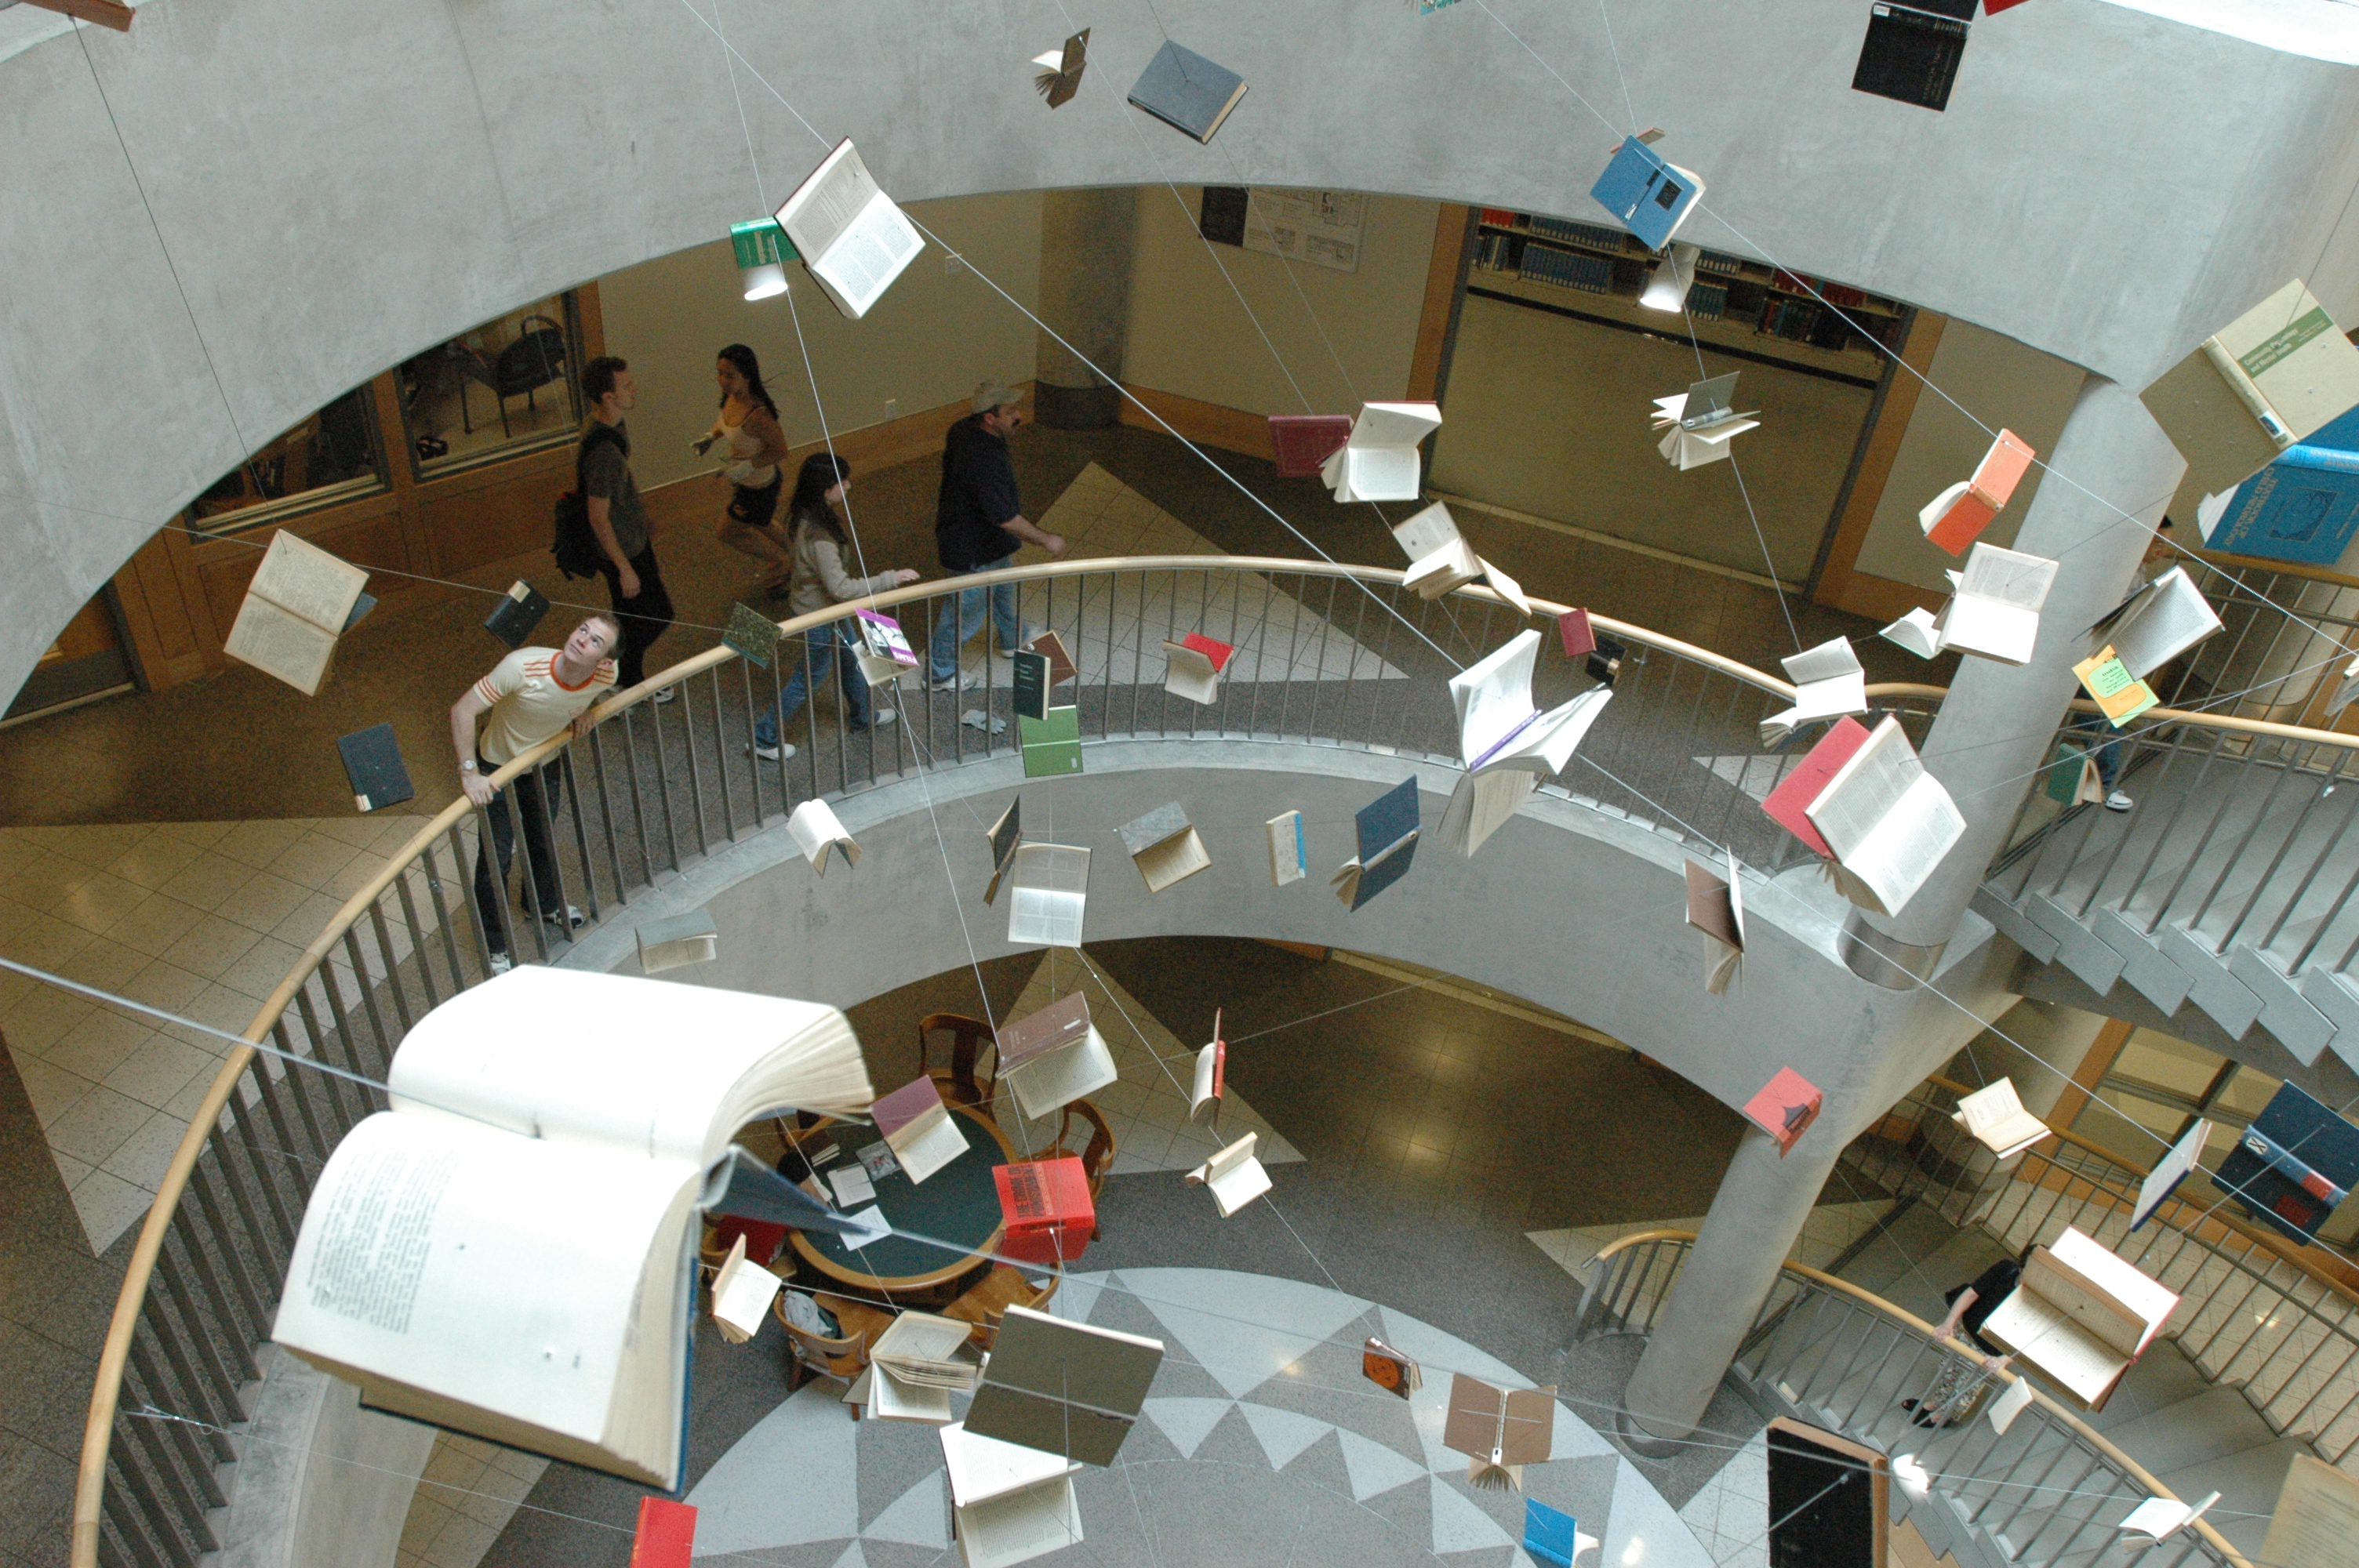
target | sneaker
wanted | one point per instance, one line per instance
(502, 963)
(2118, 801)
(884, 716)
(668, 694)
(778, 753)
(1030, 632)
(574, 919)
(955, 681)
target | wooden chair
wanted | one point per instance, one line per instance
(988, 1303)
(968, 1037)
(1097, 1154)
(815, 1354)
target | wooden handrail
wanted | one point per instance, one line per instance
(1869, 1299)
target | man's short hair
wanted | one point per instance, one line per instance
(994, 394)
(613, 627)
(598, 376)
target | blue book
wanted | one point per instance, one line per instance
(1549, 1536)
(1653, 197)
(2293, 1165)
(2302, 507)
(1387, 838)
(1187, 92)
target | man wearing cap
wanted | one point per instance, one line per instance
(978, 527)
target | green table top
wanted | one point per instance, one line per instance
(959, 1203)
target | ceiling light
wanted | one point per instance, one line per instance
(763, 252)
(1667, 285)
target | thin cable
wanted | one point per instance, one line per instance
(1777, 584)
(1603, 17)
(729, 59)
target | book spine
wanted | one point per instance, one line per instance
(2247, 391)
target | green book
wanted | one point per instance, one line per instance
(751, 633)
(1052, 745)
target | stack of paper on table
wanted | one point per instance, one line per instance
(1886, 821)
(1386, 828)
(919, 1127)
(815, 830)
(1498, 1430)
(2079, 1316)
(1164, 846)
(517, 612)
(1997, 1119)
(1211, 1073)
(682, 939)
(2119, 694)
(883, 651)
(742, 1293)
(1059, 72)
(1046, 1214)
(2268, 380)
(1699, 424)
(1507, 744)
(1440, 560)
(1006, 836)
(916, 1364)
(1233, 1177)
(300, 600)
(1995, 612)
(1289, 854)
(1011, 1503)
(852, 237)
(1304, 442)
(1054, 1057)
(1828, 683)
(1785, 1107)
(1954, 518)
(1193, 667)
(1063, 1388)
(1716, 908)
(2153, 626)
(1380, 461)
(1049, 890)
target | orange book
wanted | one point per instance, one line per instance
(1216, 652)
(1785, 1107)
(1958, 514)
(1046, 1208)
(667, 1530)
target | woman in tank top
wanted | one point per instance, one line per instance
(750, 445)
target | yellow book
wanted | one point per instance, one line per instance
(2120, 695)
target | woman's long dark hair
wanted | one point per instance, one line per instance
(821, 472)
(749, 367)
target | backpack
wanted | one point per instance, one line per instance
(575, 546)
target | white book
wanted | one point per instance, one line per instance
(1995, 612)
(295, 609)
(1233, 1177)
(2158, 1517)
(816, 831)
(742, 1294)
(2157, 624)
(1190, 673)
(1828, 683)
(1048, 1082)
(1997, 1119)
(1917, 631)
(1380, 461)
(1011, 1503)
(1440, 560)
(2012, 1401)
(1691, 439)
(1211, 1073)
(1887, 820)
(1427, 530)
(2173, 1168)
(1048, 890)
(894, 1399)
(852, 1186)
(852, 237)
(1448, 566)
(679, 941)
(433, 1269)
(1164, 846)
(1507, 744)
(1290, 855)
(920, 1348)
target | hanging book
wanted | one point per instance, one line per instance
(1995, 612)
(753, 634)
(854, 240)
(1918, 631)
(1603, 665)
(1787, 804)
(1164, 846)
(373, 767)
(2155, 624)
(1304, 442)
(1050, 887)
(665, 1535)
(1580, 638)
(816, 831)
(1499, 1432)
(1716, 908)
(299, 602)
(2157, 1519)
(1828, 683)
(1955, 518)
(916, 1364)
(2080, 1316)
(1699, 424)
(1045, 1210)
(1888, 822)
(1006, 836)
(1995, 1118)
(2293, 1166)
(1785, 1107)
(1052, 746)
(1289, 855)
(517, 612)
(2119, 694)
(1051, 646)
(1380, 461)
(1053, 1057)
(1028, 684)
(1008, 1503)
(919, 1127)
(1063, 1388)
(742, 1293)
(1386, 829)
(1507, 744)
(1440, 560)
(2302, 507)
(883, 652)
(1388, 1370)
(1187, 92)
(1212, 1075)
(1194, 668)
(1552, 1536)
(1057, 74)
(1232, 1175)
(677, 941)
(2176, 1165)
(2073, 778)
(1910, 54)
(1649, 196)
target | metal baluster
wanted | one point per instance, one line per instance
(1319, 681)
(283, 1225)
(301, 1089)
(443, 913)
(326, 973)
(2169, 832)
(399, 992)
(720, 755)
(221, 1389)
(134, 1481)
(2318, 862)
(332, 1087)
(2237, 854)
(384, 1063)
(256, 1319)
(663, 783)
(420, 948)
(695, 771)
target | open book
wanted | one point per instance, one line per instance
(1785, 1107)
(1498, 1430)
(815, 830)
(677, 941)
(1187, 92)
(2073, 778)
(2153, 626)
(1193, 667)
(1642, 191)
(1887, 821)
(1063, 1388)
(1699, 424)
(1059, 72)
(1997, 1119)
(1051, 889)
(1011, 1503)
(1006, 836)
(852, 237)
(1389, 1369)
(1995, 612)
(1957, 516)
(1233, 1177)
(919, 1127)
(1304, 442)
(510, 1250)
(1386, 829)
(1918, 631)
(1212, 1075)
(1290, 855)
(743, 1291)
(2080, 1315)
(1054, 1057)
(916, 1364)
(1164, 846)
(2158, 1517)
(2119, 694)
(1440, 560)
(1507, 744)
(2173, 1168)
(300, 600)
(1380, 461)
(1828, 683)
(1716, 908)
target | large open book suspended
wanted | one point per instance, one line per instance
(510, 1250)
(2080, 1315)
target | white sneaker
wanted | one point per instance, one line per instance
(668, 694)
(778, 753)
(2118, 801)
(1024, 640)
(502, 963)
(958, 681)
(574, 918)
(877, 720)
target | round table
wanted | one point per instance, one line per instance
(958, 1204)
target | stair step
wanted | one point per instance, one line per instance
(2160, 1377)
(2195, 1431)
(2247, 1482)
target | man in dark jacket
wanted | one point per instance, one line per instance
(979, 525)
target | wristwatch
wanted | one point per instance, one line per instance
(466, 764)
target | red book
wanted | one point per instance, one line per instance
(1786, 802)
(1217, 652)
(1992, 8)
(1305, 441)
(1785, 1107)
(1498, 217)
(1968, 511)
(763, 1239)
(1579, 637)
(667, 1530)
(1044, 1206)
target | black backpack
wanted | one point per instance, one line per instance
(576, 546)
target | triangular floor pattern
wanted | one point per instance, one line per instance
(1260, 1442)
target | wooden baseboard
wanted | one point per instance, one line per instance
(1206, 423)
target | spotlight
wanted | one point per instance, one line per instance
(1666, 286)
(763, 252)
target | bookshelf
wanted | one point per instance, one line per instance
(1596, 269)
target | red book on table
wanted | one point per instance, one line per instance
(667, 1530)
(1798, 788)
(1305, 441)
(1044, 1206)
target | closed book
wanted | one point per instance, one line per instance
(372, 764)
(2302, 507)
(1052, 745)
(763, 1238)
(668, 944)
(666, 1531)
(1028, 687)
(1061, 1024)
(1289, 860)
(1305, 441)
(1051, 646)
(1579, 638)
(517, 612)
(1910, 55)
(1651, 196)
(1045, 1209)
(1187, 92)
(1785, 1107)
(751, 633)
(1388, 1370)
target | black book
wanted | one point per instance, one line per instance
(1221, 217)
(373, 763)
(517, 612)
(1029, 686)
(1187, 92)
(1912, 51)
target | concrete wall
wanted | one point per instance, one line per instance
(927, 342)
(337, 184)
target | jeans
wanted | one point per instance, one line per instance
(644, 618)
(2109, 755)
(952, 629)
(821, 644)
(491, 907)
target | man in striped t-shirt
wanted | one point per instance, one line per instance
(529, 697)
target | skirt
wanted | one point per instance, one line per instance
(754, 508)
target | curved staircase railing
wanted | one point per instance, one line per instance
(2048, 1490)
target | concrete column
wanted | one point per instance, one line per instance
(1756, 1215)
(1996, 725)
(1085, 247)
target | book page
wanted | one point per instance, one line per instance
(2086, 1304)
(1865, 790)
(1494, 696)
(1825, 662)
(1554, 737)
(1985, 626)
(1019, 1526)
(2173, 619)
(2137, 1292)
(1395, 424)
(828, 201)
(1381, 473)
(2007, 576)
(1909, 843)
(280, 645)
(1428, 531)
(1993, 1107)
(307, 582)
(937, 1140)
(870, 253)
(1174, 859)
(2031, 1327)
(2316, 1522)
(1448, 565)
